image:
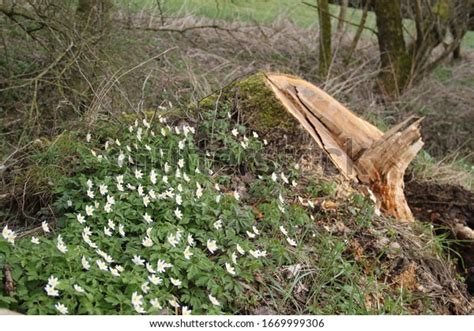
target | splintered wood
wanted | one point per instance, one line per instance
(358, 149)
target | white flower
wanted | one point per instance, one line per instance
(149, 268)
(153, 178)
(186, 311)
(180, 187)
(137, 299)
(69, 203)
(120, 159)
(147, 242)
(236, 195)
(172, 240)
(190, 240)
(217, 188)
(274, 177)
(265, 142)
(178, 199)
(186, 177)
(35, 240)
(165, 179)
(230, 269)
(147, 218)
(45, 227)
(257, 253)
(146, 200)
(217, 224)
(213, 300)
(161, 266)
(8, 235)
(173, 302)
(255, 230)
(88, 137)
(102, 265)
(138, 260)
(234, 258)
(240, 250)
(89, 212)
(152, 194)
(291, 241)
(81, 219)
(198, 191)
(110, 199)
(167, 168)
(310, 204)
(211, 245)
(61, 308)
(107, 231)
(139, 309)
(108, 207)
(111, 224)
(284, 178)
(51, 291)
(155, 304)
(140, 190)
(235, 132)
(145, 287)
(294, 183)
(280, 198)
(244, 144)
(181, 144)
(181, 163)
(115, 272)
(175, 282)
(103, 189)
(187, 253)
(53, 281)
(178, 213)
(90, 194)
(138, 174)
(121, 231)
(155, 280)
(218, 198)
(251, 235)
(283, 230)
(85, 264)
(61, 246)
(78, 289)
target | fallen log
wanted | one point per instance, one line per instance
(357, 148)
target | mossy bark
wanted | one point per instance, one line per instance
(395, 60)
(325, 52)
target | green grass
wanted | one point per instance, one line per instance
(261, 11)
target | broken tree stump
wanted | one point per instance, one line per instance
(357, 148)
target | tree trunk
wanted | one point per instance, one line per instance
(342, 16)
(325, 53)
(395, 60)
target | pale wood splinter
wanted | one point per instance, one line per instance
(357, 148)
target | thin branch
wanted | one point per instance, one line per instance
(346, 21)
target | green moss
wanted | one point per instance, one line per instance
(259, 107)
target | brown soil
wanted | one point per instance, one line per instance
(446, 206)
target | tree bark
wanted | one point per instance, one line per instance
(395, 60)
(342, 16)
(325, 52)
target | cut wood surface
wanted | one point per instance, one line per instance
(357, 148)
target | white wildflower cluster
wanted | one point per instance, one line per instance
(149, 216)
